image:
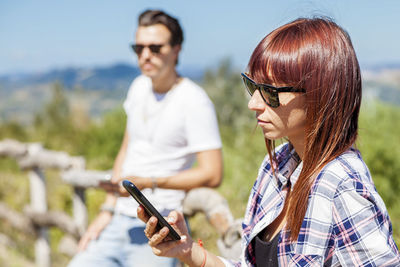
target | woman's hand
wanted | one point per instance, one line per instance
(185, 249)
(160, 243)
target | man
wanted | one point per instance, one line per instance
(170, 123)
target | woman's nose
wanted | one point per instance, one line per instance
(256, 101)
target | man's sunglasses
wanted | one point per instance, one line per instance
(154, 48)
(268, 92)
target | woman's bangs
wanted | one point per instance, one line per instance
(278, 62)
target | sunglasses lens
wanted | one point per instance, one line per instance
(250, 86)
(137, 49)
(155, 49)
(270, 97)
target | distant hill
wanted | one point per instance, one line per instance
(383, 83)
(382, 67)
(96, 90)
(115, 77)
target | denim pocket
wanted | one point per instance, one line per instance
(137, 236)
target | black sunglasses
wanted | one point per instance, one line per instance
(269, 93)
(154, 48)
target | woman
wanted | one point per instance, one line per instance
(314, 202)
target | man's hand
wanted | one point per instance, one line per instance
(115, 184)
(94, 230)
(110, 187)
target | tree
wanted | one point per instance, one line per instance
(53, 124)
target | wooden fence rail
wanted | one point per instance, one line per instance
(35, 219)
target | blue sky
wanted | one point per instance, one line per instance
(40, 35)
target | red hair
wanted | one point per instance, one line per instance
(317, 55)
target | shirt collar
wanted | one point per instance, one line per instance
(289, 167)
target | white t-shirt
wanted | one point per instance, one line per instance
(165, 132)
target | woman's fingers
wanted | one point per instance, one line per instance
(142, 214)
(158, 237)
(151, 226)
(177, 220)
(167, 248)
(173, 217)
(159, 240)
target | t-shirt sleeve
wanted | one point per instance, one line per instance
(201, 123)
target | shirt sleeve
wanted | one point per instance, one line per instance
(362, 228)
(201, 123)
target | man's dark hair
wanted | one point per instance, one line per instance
(152, 17)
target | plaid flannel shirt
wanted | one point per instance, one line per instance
(346, 222)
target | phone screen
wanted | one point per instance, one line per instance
(150, 209)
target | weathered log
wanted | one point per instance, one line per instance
(39, 157)
(38, 192)
(14, 259)
(216, 209)
(80, 180)
(229, 244)
(34, 155)
(12, 148)
(80, 212)
(42, 248)
(53, 219)
(28, 220)
(85, 178)
(16, 219)
(6, 241)
(212, 204)
(68, 245)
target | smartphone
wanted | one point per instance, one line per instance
(142, 200)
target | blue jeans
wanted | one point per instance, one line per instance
(122, 243)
